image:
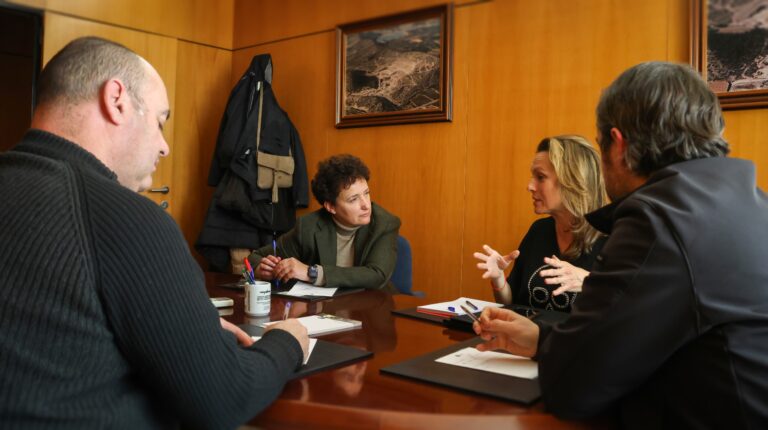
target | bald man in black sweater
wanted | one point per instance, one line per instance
(104, 318)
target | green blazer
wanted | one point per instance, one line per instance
(313, 241)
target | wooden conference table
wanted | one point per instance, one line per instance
(358, 396)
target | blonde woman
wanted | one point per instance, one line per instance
(558, 251)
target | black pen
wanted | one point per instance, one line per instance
(474, 318)
(470, 313)
(471, 305)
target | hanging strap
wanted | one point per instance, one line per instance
(274, 162)
(260, 89)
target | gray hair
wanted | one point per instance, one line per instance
(77, 72)
(665, 112)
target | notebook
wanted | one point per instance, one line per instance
(453, 308)
(322, 324)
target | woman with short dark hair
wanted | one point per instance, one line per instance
(349, 242)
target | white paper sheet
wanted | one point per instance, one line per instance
(312, 343)
(304, 289)
(491, 361)
(318, 325)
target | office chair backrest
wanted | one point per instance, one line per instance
(402, 276)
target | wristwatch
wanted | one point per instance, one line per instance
(312, 273)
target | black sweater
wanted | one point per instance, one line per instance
(528, 287)
(104, 318)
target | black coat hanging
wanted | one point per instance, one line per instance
(242, 215)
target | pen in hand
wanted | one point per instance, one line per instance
(470, 313)
(472, 305)
(474, 317)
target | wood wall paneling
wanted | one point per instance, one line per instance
(158, 50)
(259, 22)
(745, 131)
(203, 81)
(522, 71)
(679, 30)
(204, 21)
(539, 73)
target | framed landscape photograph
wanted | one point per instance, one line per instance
(394, 69)
(730, 49)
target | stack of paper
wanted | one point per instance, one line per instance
(453, 308)
(318, 325)
(301, 289)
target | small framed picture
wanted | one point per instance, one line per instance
(395, 69)
(730, 50)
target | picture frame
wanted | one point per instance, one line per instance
(728, 53)
(395, 69)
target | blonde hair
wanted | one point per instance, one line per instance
(582, 190)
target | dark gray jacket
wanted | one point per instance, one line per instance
(672, 324)
(313, 241)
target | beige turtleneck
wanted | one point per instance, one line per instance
(345, 249)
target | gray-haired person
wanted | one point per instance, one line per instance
(671, 330)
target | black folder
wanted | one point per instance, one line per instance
(413, 313)
(326, 355)
(474, 381)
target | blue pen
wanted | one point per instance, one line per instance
(287, 310)
(274, 252)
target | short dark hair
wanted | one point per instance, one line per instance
(665, 112)
(77, 72)
(336, 173)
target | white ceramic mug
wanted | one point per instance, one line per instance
(258, 298)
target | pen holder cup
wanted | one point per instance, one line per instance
(257, 298)
(256, 321)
